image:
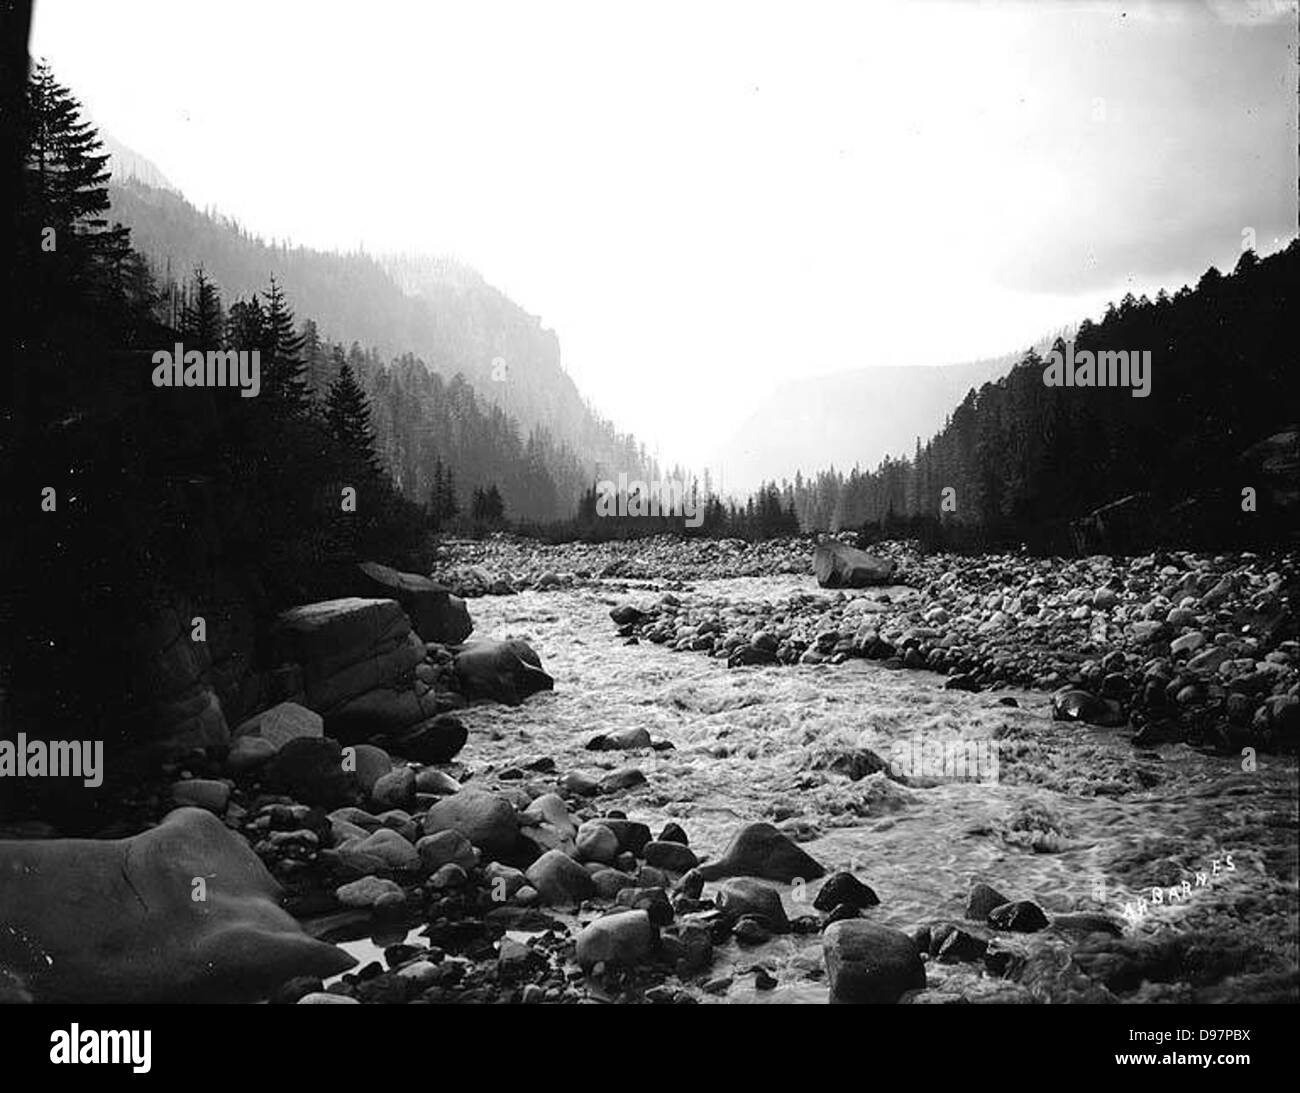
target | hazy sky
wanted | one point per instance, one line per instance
(702, 198)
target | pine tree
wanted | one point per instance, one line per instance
(65, 189)
(246, 324)
(202, 321)
(347, 413)
(313, 354)
(283, 385)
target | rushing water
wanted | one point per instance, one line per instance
(1076, 820)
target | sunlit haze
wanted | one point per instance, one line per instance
(705, 199)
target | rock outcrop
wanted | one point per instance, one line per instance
(118, 920)
(358, 659)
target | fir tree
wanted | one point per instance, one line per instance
(202, 322)
(347, 413)
(283, 385)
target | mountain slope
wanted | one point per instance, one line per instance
(853, 417)
(451, 318)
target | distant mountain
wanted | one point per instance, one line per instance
(126, 164)
(439, 310)
(852, 417)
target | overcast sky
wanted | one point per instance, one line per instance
(703, 198)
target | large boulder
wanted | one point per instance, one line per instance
(388, 711)
(333, 634)
(761, 850)
(501, 671)
(838, 565)
(866, 963)
(378, 668)
(117, 920)
(435, 613)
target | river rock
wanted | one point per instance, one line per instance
(561, 881)
(500, 671)
(1022, 916)
(866, 963)
(113, 920)
(610, 882)
(390, 848)
(396, 789)
(485, 819)
(623, 938)
(579, 783)
(503, 881)
(438, 849)
(369, 763)
(370, 892)
(623, 739)
(1072, 704)
(310, 769)
(672, 856)
(596, 843)
(434, 612)
(280, 724)
(436, 782)
(740, 897)
(248, 753)
(437, 740)
(983, 898)
(550, 808)
(623, 778)
(761, 850)
(653, 901)
(632, 835)
(844, 888)
(837, 565)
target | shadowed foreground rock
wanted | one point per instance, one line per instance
(502, 671)
(866, 963)
(113, 920)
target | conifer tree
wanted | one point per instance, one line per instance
(283, 385)
(347, 414)
(65, 189)
(202, 321)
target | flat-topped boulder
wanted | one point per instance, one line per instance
(332, 634)
(838, 565)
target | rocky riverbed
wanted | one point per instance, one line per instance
(745, 788)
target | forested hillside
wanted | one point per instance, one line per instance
(1023, 459)
(438, 312)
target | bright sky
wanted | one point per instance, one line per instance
(703, 198)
